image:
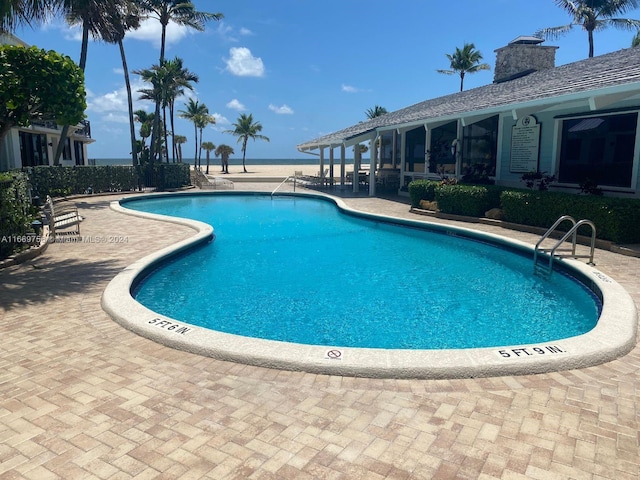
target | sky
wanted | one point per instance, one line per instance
(307, 68)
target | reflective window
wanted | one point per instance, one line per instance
(442, 158)
(479, 149)
(598, 150)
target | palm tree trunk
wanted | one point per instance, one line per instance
(132, 128)
(195, 155)
(166, 133)
(200, 152)
(461, 80)
(173, 133)
(244, 153)
(590, 32)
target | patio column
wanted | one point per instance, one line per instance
(357, 155)
(331, 166)
(342, 165)
(321, 165)
(372, 167)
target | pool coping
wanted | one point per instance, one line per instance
(613, 336)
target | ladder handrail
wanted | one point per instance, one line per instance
(283, 182)
(572, 232)
(553, 227)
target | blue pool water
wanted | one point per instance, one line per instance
(298, 270)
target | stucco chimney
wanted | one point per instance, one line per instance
(522, 56)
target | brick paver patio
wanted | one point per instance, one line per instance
(83, 398)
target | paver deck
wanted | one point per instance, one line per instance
(83, 398)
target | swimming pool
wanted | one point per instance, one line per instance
(359, 284)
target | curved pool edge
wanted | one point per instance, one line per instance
(613, 336)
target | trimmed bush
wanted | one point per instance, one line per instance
(63, 181)
(422, 190)
(616, 219)
(16, 213)
(468, 200)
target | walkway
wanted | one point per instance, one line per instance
(82, 398)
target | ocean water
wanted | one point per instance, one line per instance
(232, 161)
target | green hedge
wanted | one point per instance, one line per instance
(16, 213)
(62, 181)
(422, 190)
(468, 200)
(616, 219)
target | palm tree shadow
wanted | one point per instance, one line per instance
(39, 282)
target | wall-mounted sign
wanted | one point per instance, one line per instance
(525, 145)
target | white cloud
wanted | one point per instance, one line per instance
(221, 121)
(282, 110)
(243, 64)
(235, 104)
(349, 89)
(151, 31)
(114, 104)
(229, 34)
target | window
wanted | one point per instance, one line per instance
(386, 150)
(442, 158)
(66, 152)
(33, 149)
(598, 149)
(79, 152)
(479, 148)
(414, 150)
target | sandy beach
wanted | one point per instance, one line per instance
(275, 170)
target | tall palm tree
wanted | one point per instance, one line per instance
(179, 79)
(128, 18)
(208, 146)
(180, 140)
(224, 151)
(245, 128)
(201, 122)
(194, 111)
(592, 15)
(376, 111)
(465, 60)
(181, 12)
(14, 13)
(96, 18)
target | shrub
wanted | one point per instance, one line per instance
(616, 219)
(16, 213)
(422, 190)
(468, 200)
(62, 181)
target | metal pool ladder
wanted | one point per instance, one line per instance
(554, 252)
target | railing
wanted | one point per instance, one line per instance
(553, 251)
(283, 182)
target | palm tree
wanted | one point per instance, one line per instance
(14, 13)
(376, 111)
(636, 40)
(208, 146)
(180, 140)
(465, 61)
(195, 110)
(244, 129)
(179, 79)
(96, 18)
(592, 15)
(177, 11)
(128, 18)
(181, 12)
(224, 151)
(201, 122)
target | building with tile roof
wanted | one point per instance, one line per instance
(578, 122)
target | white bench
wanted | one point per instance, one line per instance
(62, 216)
